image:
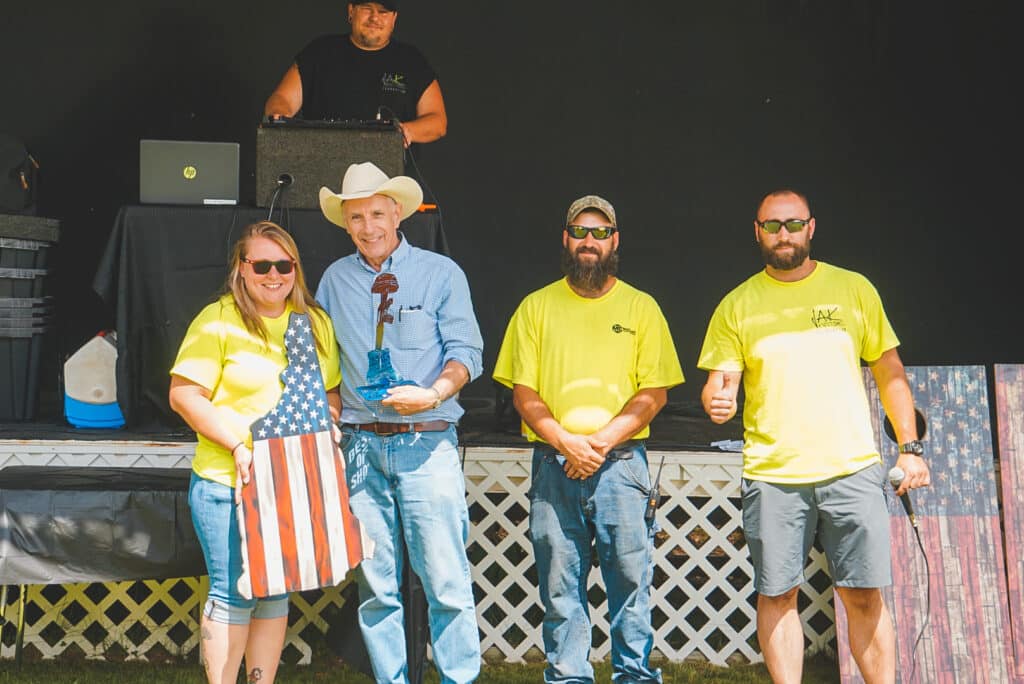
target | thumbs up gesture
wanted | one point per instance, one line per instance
(721, 404)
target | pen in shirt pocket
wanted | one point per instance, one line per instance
(407, 309)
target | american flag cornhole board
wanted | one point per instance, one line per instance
(298, 532)
(1010, 426)
(966, 639)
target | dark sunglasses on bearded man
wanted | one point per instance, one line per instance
(775, 225)
(599, 232)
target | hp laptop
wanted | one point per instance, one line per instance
(188, 172)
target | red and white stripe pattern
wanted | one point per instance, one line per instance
(969, 635)
(297, 530)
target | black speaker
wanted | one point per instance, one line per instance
(317, 155)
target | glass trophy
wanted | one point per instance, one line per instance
(381, 375)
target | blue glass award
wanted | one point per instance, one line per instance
(381, 375)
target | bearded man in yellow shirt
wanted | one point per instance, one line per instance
(590, 360)
(795, 333)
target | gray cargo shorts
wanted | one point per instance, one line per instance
(848, 514)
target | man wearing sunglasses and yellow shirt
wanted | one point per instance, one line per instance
(590, 360)
(795, 333)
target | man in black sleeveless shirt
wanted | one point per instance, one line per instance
(363, 75)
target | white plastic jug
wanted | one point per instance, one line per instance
(90, 373)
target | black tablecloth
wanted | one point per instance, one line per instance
(62, 524)
(162, 264)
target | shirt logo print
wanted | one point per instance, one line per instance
(393, 83)
(617, 328)
(825, 316)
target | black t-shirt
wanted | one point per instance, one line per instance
(342, 81)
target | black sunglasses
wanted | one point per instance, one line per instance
(775, 225)
(262, 267)
(599, 232)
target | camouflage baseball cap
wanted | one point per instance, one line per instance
(591, 202)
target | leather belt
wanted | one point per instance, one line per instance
(624, 451)
(399, 428)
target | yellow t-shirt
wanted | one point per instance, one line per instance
(799, 346)
(243, 374)
(587, 357)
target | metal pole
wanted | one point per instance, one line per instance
(20, 633)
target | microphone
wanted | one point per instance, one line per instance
(896, 476)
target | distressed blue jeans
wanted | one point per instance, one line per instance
(410, 486)
(567, 517)
(215, 519)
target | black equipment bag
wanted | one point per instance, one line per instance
(17, 177)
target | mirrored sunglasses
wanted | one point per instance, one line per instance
(774, 225)
(262, 267)
(599, 232)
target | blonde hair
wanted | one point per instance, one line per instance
(300, 298)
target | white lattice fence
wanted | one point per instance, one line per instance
(82, 454)
(145, 620)
(507, 601)
(124, 619)
(702, 598)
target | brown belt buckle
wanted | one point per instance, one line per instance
(387, 429)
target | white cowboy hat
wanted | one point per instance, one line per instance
(366, 180)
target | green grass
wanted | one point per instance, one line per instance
(818, 670)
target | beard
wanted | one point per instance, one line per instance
(785, 262)
(589, 276)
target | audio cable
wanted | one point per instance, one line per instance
(284, 183)
(412, 159)
(927, 602)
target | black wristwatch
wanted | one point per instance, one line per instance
(912, 447)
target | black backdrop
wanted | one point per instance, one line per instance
(898, 118)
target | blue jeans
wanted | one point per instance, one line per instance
(410, 486)
(566, 517)
(216, 521)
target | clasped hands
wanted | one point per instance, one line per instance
(583, 454)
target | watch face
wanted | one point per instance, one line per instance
(914, 447)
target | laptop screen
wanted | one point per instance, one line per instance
(188, 172)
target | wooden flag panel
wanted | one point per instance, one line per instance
(966, 636)
(298, 532)
(1010, 424)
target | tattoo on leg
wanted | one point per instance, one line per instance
(206, 635)
(255, 676)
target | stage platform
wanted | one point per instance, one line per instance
(679, 427)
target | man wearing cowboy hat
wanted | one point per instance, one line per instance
(402, 463)
(590, 360)
(364, 75)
